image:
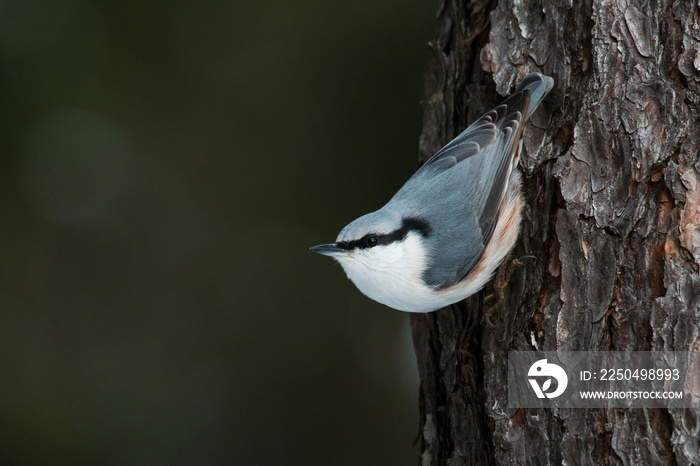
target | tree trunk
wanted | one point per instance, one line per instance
(612, 189)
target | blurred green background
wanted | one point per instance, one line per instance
(164, 167)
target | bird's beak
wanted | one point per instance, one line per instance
(331, 249)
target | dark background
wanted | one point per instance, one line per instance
(164, 167)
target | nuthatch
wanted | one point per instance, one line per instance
(445, 232)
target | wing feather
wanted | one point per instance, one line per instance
(484, 153)
(460, 189)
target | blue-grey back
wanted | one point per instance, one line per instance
(460, 189)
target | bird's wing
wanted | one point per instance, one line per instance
(478, 162)
(511, 129)
(525, 99)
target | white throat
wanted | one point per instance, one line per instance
(391, 274)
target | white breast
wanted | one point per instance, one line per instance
(391, 274)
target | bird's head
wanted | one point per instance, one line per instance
(381, 252)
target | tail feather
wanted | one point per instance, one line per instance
(539, 86)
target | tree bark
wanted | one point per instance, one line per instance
(612, 189)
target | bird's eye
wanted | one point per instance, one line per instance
(371, 241)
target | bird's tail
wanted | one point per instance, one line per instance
(539, 86)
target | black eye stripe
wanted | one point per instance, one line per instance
(370, 240)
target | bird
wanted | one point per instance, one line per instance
(444, 233)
